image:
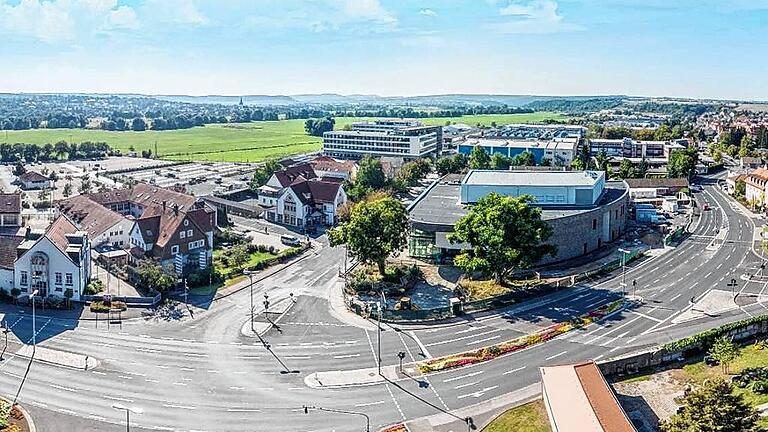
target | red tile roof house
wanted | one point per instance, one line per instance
(33, 180)
(295, 196)
(173, 228)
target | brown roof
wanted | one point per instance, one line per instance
(145, 195)
(657, 183)
(58, 230)
(10, 203)
(290, 174)
(90, 215)
(316, 191)
(579, 400)
(33, 176)
(8, 245)
(329, 164)
(760, 173)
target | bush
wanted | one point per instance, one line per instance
(704, 340)
(5, 296)
(100, 306)
(203, 277)
(94, 287)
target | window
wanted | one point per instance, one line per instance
(189, 233)
(57, 278)
(24, 280)
(182, 234)
(174, 249)
(594, 224)
(69, 279)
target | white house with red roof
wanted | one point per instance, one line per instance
(32, 180)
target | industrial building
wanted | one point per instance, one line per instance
(558, 151)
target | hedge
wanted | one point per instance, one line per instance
(704, 340)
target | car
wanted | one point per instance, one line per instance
(289, 240)
(705, 206)
(709, 361)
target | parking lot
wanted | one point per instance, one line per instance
(200, 178)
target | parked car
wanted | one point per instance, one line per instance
(289, 240)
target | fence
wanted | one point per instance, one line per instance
(674, 236)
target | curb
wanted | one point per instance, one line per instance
(25, 413)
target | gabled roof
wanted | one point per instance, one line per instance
(287, 176)
(10, 203)
(329, 164)
(90, 215)
(33, 176)
(8, 245)
(145, 195)
(760, 173)
(315, 191)
(58, 230)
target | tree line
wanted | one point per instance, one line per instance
(60, 150)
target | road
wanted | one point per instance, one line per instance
(201, 374)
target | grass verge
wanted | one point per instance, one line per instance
(531, 417)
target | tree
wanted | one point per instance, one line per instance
(263, 173)
(642, 168)
(67, 189)
(479, 159)
(375, 230)
(61, 148)
(724, 351)
(138, 124)
(500, 162)
(317, 127)
(525, 158)
(627, 169)
(451, 164)
(603, 162)
(505, 233)
(238, 255)
(578, 164)
(153, 276)
(712, 408)
(717, 156)
(682, 163)
(85, 186)
(19, 169)
(370, 174)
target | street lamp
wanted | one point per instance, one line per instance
(34, 330)
(128, 410)
(250, 278)
(382, 304)
(6, 330)
(624, 253)
(338, 411)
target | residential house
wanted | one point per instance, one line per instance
(32, 180)
(325, 166)
(307, 203)
(10, 211)
(750, 162)
(172, 227)
(53, 261)
(270, 192)
(755, 184)
(733, 181)
(8, 246)
(104, 226)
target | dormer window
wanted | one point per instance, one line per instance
(186, 222)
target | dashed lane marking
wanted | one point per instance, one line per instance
(555, 356)
(514, 370)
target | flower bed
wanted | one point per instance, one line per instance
(522, 342)
(400, 427)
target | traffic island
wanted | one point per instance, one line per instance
(14, 418)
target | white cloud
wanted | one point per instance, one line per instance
(428, 12)
(177, 11)
(534, 17)
(123, 17)
(365, 10)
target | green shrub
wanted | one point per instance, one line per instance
(94, 287)
(100, 306)
(704, 340)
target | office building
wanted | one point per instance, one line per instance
(407, 139)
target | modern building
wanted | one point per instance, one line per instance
(578, 399)
(653, 189)
(10, 211)
(32, 180)
(633, 149)
(53, 261)
(559, 151)
(583, 210)
(407, 139)
(542, 132)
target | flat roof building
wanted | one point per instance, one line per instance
(402, 138)
(578, 399)
(549, 188)
(559, 151)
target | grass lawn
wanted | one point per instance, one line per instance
(211, 289)
(253, 259)
(696, 373)
(531, 417)
(235, 142)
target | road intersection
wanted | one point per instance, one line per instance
(202, 374)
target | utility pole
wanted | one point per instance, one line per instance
(624, 253)
(250, 278)
(382, 304)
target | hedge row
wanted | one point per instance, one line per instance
(704, 340)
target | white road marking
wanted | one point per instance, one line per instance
(555, 356)
(346, 356)
(370, 404)
(477, 394)
(461, 386)
(185, 407)
(63, 388)
(514, 370)
(421, 345)
(117, 398)
(471, 374)
(243, 410)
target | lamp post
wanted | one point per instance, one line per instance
(250, 278)
(338, 411)
(382, 304)
(128, 410)
(624, 253)
(34, 330)
(6, 330)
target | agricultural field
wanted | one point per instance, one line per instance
(234, 142)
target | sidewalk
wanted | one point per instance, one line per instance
(79, 312)
(58, 358)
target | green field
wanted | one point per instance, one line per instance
(531, 417)
(238, 142)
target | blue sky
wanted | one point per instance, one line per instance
(694, 48)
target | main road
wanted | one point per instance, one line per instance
(202, 374)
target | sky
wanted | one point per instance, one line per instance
(679, 48)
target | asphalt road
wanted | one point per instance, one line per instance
(201, 374)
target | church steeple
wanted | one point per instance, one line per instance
(241, 101)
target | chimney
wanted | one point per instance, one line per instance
(164, 203)
(176, 208)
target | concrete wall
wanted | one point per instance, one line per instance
(6, 279)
